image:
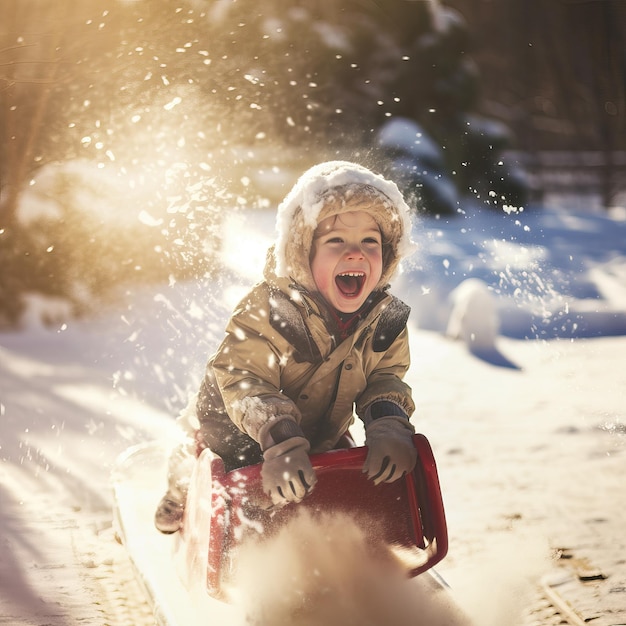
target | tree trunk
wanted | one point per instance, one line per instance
(21, 132)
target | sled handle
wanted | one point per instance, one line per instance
(426, 504)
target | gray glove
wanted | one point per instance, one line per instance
(391, 452)
(287, 473)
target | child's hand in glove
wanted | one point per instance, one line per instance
(391, 452)
(287, 473)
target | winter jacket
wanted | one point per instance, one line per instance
(279, 359)
(281, 356)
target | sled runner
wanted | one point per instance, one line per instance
(223, 509)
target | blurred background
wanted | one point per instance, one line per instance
(130, 128)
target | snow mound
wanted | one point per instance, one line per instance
(474, 316)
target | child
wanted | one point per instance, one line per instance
(318, 340)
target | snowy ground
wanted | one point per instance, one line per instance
(529, 431)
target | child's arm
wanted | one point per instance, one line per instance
(385, 381)
(247, 369)
(385, 407)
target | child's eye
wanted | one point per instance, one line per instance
(371, 240)
(335, 240)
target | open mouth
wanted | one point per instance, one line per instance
(350, 283)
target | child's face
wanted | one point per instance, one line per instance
(347, 259)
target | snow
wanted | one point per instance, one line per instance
(474, 316)
(529, 435)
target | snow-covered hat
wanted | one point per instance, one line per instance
(329, 189)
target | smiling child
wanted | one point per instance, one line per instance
(316, 343)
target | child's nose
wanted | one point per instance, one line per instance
(354, 252)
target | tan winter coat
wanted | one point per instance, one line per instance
(279, 359)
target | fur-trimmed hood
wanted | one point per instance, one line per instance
(329, 189)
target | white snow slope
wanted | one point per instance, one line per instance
(528, 428)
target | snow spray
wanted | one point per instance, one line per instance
(323, 569)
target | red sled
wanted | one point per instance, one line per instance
(224, 508)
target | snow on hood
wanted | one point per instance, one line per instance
(331, 188)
